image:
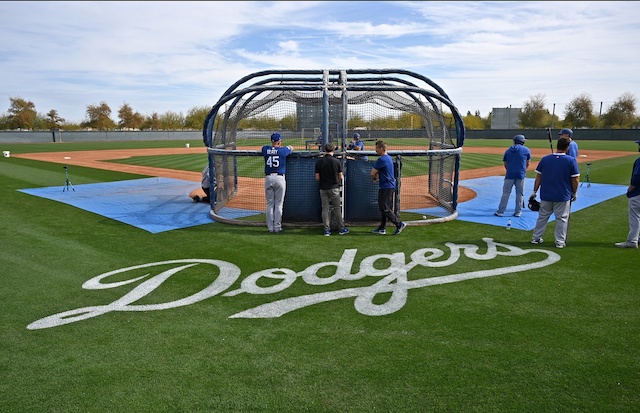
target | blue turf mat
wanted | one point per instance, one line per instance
(489, 190)
(151, 204)
(162, 204)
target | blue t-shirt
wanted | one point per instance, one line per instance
(384, 166)
(516, 158)
(275, 158)
(556, 172)
(635, 179)
(573, 149)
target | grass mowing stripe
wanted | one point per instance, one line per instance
(561, 338)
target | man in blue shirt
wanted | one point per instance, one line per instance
(275, 185)
(558, 176)
(516, 161)
(573, 146)
(633, 193)
(357, 145)
(383, 173)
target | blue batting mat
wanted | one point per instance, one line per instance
(489, 190)
(152, 204)
(162, 204)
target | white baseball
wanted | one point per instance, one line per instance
(424, 217)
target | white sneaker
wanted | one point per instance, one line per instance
(498, 214)
(626, 244)
(560, 245)
(537, 241)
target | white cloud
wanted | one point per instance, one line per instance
(161, 56)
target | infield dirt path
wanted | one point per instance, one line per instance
(98, 160)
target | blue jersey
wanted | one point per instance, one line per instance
(556, 171)
(275, 159)
(573, 149)
(635, 179)
(384, 166)
(516, 158)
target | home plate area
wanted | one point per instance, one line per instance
(162, 204)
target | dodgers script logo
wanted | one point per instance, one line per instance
(392, 279)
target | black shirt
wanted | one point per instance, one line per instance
(329, 168)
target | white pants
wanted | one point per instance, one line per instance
(561, 211)
(634, 219)
(275, 187)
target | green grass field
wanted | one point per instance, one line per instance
(387, 334)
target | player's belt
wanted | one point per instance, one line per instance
(276, 174)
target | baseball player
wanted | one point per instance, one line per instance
(573, 146)
(516, 161)
(357, 145)
(558, 176)
(204, 195)
(275, 185)
(633, 193)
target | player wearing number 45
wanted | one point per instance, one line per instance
(275, 185)
(633, 193)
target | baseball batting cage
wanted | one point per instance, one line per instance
(423, 130)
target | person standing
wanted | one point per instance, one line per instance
(275, 185)
(357, 145)
(383, 173)
(516, 161)
(573, 146)
(558, 176)
(329, 175)
(633, 193)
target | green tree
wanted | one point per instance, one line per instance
(473, 121)
(53, 119)
(355, 120)
(622, 114)
(289, 122)
(534, 114)
(196, 116)
(128, 118)
(22, 114)
(99, 117)
(172, 121)
(579, 112)
(152, 122)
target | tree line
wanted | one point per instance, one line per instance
(578, 113)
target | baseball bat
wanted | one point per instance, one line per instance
(550, 141)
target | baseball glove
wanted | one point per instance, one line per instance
(534, 205)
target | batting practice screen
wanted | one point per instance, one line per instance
(423, 130)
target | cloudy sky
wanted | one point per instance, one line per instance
(175, 55)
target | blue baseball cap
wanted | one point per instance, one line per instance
(276, 137)
(519, 139)
(566, 131)
(638, 142)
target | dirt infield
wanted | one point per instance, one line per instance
(97, 159)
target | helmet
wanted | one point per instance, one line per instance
(519, 139)
(534, 205)
(566, 131)
(356, 136)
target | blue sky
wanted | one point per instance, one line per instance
(173, 56)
